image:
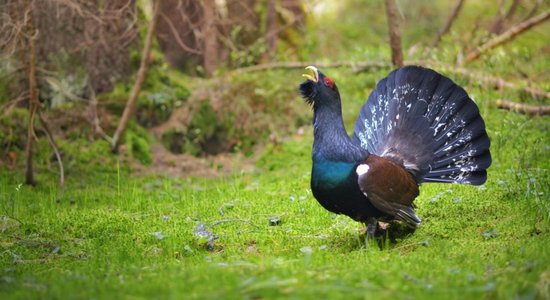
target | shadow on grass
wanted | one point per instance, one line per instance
(389, 235)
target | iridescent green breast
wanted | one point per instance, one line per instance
(328, 175)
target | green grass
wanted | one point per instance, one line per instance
(119, 236)
(110, 235)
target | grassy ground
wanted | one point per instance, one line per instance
(262, 234)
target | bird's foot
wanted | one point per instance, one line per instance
(372, 228)
(372, 236)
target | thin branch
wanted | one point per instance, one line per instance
(533, 11)
(7, 107)
(360, 66)
(502, 19)
(395, 35)
(94, 118)
(450, 20)
(497, 21)
(176, 35)
(507, 36)
(536, 110)
(51, 140)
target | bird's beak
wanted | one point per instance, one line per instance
(314, 74)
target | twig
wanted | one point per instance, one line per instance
(507, 36)
(177, 37)
(51, 140)
(450, 20)
(218, 222)
(536, 110)
(94, 118)
(395, 35)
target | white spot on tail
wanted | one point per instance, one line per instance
(362, 169)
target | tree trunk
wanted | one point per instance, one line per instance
(395, 35)
(448, 23)
(271, 31)
(210, 38)
(33, 93)
(129, 110)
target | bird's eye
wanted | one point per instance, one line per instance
(329, 82)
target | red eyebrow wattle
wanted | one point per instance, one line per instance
(329, 82)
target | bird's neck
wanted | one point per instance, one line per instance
(330, 139)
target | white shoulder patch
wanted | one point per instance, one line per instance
(362, 169)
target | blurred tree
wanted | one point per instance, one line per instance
(210, 37)
(47, 45)
(394, 33)
(236, 32)
(129, 109)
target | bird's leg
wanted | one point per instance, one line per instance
(372, 226)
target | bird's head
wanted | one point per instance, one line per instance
(318, 89)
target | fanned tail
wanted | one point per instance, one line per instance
(427, 123)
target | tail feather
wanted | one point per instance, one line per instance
(407, 215)
(451, 142)
(429, 124)
(461, 156)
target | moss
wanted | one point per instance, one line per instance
(206, 133)
(137, 143)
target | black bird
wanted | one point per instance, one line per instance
(417, 126)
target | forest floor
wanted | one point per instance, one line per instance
(259, 233)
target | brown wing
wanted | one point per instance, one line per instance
(389, 187)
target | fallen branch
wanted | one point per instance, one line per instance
(535, 110)
(361, 66)
(506, 36)
(497, 82)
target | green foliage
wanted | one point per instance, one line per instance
(13, 127)
(205, 133)
(161, 93)
(5, 80)
(137, 144)
(67, 84)
(239, 113)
